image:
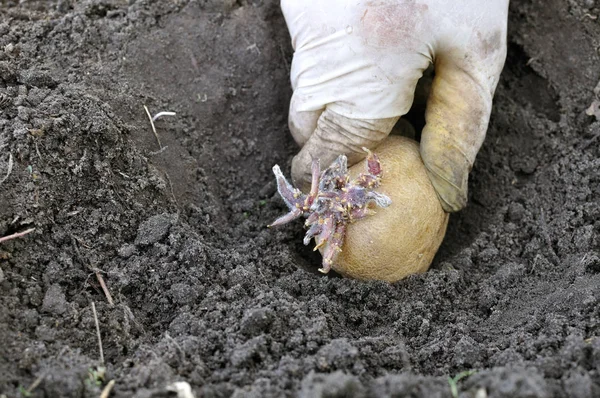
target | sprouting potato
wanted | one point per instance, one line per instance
(384, 224)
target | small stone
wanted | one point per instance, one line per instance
(339, 353)
(268, 190)
(183, 293)
(488, 254)
(53, 273)
(182, 388)
(23, 113)
(516, 212)
(34, 294)
(245, 353)
(37, 78)
(584, 237)
(467, 352)
(591, 261)
(127, 250)
(54, 301)
(256, 320)
(154, 229)
(525, 165)
(45, 333)
(30, 318)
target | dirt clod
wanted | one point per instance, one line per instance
(154, 229)
(54, 301)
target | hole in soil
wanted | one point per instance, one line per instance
(310, 260)
(526, 86)
(230, 130)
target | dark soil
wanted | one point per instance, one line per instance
(203, 292)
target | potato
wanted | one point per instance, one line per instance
(403, 238)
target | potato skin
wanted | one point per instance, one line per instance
(403, 238)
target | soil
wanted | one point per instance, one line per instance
(203, 292)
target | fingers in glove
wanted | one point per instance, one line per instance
(457, 116)
(335, 135)
(302, 124)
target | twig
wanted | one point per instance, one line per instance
(159, 151)
(172, 191)
(37, 150)
(161, 114)
(104, 288)
(106, 392)
(93, 269)
(153, 119)
(182, 388)
(194, 62)
(98, 333)
(153, 128)
(80, 241)
(35, 383)
(10, 166)
(16, 235)
(253, 47)
(453, 381)
(177, 346)
(531, 60)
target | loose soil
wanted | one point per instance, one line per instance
(202, 291)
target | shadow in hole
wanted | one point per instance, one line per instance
(309, 259)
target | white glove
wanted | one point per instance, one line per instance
(355, 68)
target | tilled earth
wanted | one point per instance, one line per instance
(202, 291)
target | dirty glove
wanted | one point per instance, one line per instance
(355, 68)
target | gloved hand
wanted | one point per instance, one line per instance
(355, 68)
